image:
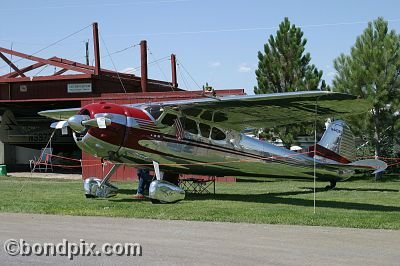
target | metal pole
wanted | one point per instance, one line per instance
(315, 152)
(143, 60)
(96, 49)
(173, 71)
(87, 52)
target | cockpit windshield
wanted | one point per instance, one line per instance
(155, 111)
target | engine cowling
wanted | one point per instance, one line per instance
(100, 140)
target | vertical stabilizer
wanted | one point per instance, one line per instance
(339, 139)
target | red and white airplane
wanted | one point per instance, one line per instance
(204, 136)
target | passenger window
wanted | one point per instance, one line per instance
(169, 119)
(217, 134)
(220, 117)
(206, 115)
(189, 125)
(204, 130)
(192, 112)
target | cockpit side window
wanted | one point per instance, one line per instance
(204, 130)
(169, 119)
(189, 125)
(217, 134)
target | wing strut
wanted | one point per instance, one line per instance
(157, 170)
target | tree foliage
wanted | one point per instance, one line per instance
(372, 71)
(284, 67)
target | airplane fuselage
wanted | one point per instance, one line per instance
(135, 137)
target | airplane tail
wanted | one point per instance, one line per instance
(337, 143)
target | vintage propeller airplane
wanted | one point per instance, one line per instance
(203, 136)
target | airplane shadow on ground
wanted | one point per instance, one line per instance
(386, 178)
(361, 189)
(281, 198)
(127, 191)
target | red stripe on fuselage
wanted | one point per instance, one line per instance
(326, 153)
(134, 135)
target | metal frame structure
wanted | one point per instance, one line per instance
(83, 71)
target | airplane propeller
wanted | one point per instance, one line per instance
(78, 123)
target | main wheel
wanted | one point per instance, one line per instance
(155, 201)
(331, 186)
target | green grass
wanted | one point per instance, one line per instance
(357, 203)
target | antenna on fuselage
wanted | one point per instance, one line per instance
(209, 89)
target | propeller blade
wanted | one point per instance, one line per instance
(63, 125)
(59, 124)
(100, 122)
(79, 122)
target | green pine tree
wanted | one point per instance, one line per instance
(284, 67)
(372, 71)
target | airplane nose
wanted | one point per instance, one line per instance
(75, 123)
(79, 123)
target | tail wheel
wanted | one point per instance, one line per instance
(331, 186)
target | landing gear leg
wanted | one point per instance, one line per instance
(159, 174)
(332, 185)
(97, 188)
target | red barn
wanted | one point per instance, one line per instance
(23, 133)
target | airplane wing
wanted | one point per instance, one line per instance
(255, 111)
(268, 110)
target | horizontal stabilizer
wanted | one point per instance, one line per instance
(378, 165)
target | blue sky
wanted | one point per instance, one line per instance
(215, 41)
